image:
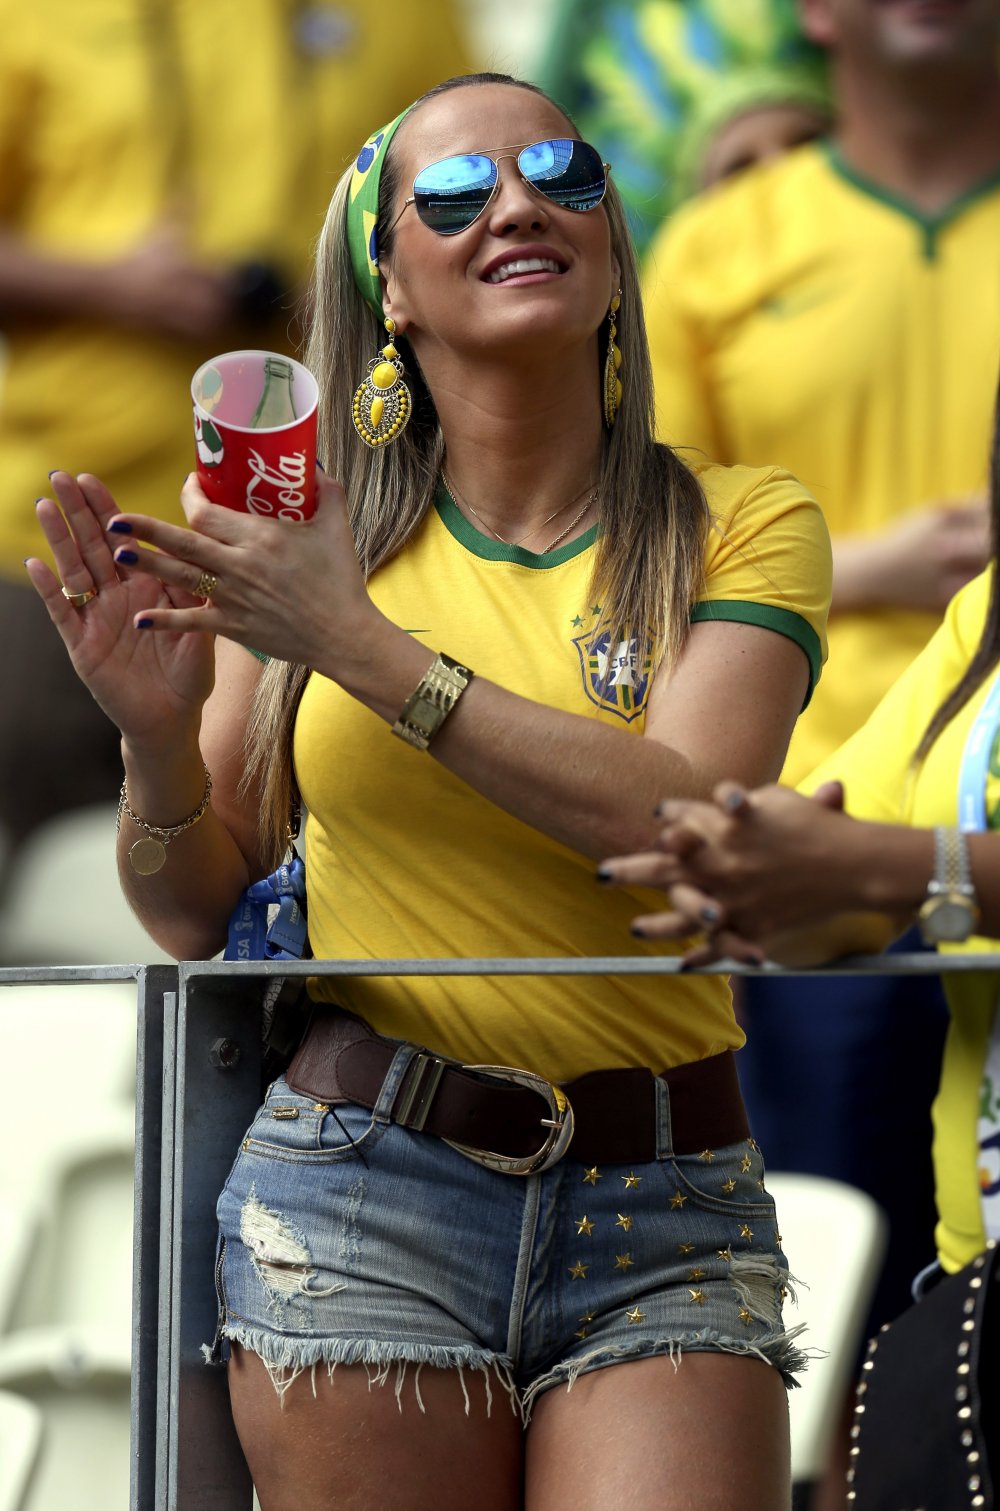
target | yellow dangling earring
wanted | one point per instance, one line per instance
(383, 405)
(612, 367)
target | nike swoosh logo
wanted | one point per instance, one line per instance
(786, 306)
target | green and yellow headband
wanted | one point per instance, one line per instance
(362, 212)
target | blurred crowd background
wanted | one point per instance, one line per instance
(820, 219)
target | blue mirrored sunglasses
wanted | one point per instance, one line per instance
(450, 195)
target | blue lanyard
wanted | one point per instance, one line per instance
(975, 763)
(251, 937)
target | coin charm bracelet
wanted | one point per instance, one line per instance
(148, 855)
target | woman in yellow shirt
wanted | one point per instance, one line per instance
(402, 1210)
(899, 826)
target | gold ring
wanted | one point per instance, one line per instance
(79, 599)
(206, 585)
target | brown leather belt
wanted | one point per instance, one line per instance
(613, 1111)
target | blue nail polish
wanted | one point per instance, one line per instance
(39, 500)
(602, 875)
(710, 915)
(639, 933)
(54, 471)
(319, 464)
(120, 527)
(126, 557)
(144, 624)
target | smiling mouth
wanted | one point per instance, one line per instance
(522, 265)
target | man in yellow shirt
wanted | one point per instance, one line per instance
(838, 313)
(164, 170)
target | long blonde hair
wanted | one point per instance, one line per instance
(649, 561)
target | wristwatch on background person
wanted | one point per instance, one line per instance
(951, 911)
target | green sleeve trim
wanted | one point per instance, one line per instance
(768, 617)
(259, 654)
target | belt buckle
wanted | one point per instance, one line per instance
(559, 1126)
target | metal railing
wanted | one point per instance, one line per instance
(198, 1085)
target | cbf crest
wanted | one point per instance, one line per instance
(616, 673)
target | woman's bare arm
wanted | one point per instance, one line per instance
(296, 592)
(186, 905)
(793, 877)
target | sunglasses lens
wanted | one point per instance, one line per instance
(568, 172)
(450, 194)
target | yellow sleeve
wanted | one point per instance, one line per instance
(678, 346)
(875, 764)
(767, 560)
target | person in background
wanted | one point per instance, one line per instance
(838, 311)
(900, 825)
(157, 204)
(415, 1238)
(680, 93)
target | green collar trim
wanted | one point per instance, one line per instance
(931, 226)
(488, 549)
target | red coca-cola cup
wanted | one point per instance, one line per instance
(255, 433)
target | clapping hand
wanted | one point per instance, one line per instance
(739, 870)
(142, 682)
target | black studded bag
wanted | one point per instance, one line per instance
(927, 1416)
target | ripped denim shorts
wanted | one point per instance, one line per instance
(347, 1239)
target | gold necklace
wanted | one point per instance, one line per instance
(590, 501)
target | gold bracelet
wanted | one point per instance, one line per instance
(148, 855)
(436, 694)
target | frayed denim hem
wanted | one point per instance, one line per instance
(779, 1351)
(285, 1359)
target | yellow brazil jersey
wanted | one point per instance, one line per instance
(798, 316)
(881, 784)
(230, 122)
(404, 860)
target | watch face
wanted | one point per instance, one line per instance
(948, 920)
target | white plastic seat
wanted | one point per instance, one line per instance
(77, 1381)
(20, 1440)
(64, 905)
(19, 1224)
(69, 1053)
(834, 1237)
(67, 1119)
(79, 1268)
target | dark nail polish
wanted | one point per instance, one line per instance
(319, 464)
(710, 915)
(39, 500)
(54, 471)
(602, 875)
(144, 624)
(126, 557)
(120, 527)
(639, 933)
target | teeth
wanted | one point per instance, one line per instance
(524, 265)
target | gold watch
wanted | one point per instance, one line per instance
(951, 911)
(436, 694)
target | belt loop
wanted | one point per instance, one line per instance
(664, 1131)
(401, 1061)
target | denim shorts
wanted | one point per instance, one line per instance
(347, 1239)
